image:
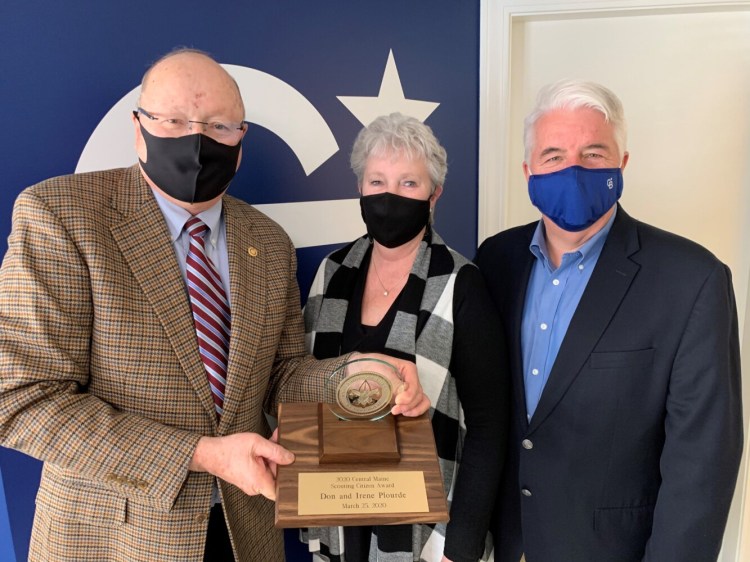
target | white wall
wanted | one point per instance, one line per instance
(683, 75)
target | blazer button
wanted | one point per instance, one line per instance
(527, 444)
(202, 518)
(526, 492)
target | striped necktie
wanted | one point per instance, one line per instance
(210, 311)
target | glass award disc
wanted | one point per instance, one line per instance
(362, 389)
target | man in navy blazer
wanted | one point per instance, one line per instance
(626, 431)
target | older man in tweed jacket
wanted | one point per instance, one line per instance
(101, 376)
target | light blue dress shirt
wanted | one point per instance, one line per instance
(216, 239)
(552, 297)
(216, 250)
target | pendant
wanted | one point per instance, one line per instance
(385, 293)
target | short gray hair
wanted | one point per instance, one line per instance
(400, 134)
(574, 94)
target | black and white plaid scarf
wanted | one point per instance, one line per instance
(421, 328)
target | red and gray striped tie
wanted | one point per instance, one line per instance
(210, 311)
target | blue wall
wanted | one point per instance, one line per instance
(65, 64)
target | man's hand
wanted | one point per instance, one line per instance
(410, 398)
(246, 460)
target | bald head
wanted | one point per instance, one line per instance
(186, 81)
(191, 88)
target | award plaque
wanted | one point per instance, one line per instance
(355, 463)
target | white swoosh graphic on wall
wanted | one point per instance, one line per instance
(275, 105)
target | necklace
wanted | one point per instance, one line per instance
(387, 291)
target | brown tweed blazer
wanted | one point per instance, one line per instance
(100, 375)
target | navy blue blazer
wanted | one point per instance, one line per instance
(633, 451)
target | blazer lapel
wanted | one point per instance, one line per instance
(247, 280)
(519, 281)
(145, 244)
(612, 276)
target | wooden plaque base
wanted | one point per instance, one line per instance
(299, 432)
(356, 441)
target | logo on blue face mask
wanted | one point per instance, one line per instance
(574, 198)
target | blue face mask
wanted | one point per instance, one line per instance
(575, 198)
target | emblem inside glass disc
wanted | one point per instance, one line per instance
(362, 389)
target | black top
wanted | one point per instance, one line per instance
(479, 366)
(360, 337)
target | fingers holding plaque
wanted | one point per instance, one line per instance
(363, 389)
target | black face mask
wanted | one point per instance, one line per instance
(193, 169)
(393, 220)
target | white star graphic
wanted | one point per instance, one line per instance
(390, 99)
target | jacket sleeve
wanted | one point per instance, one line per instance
(703, 430)
(297, 376)
(46, 317)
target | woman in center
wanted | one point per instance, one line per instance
(401, 291)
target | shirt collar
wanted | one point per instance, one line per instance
(176, 216)
(589, 250)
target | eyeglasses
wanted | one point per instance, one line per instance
(172, 126)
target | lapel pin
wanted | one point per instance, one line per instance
(252, 251)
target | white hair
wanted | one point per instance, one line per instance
(399, 133)
(574, 94)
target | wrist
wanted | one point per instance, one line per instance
(203, 454)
